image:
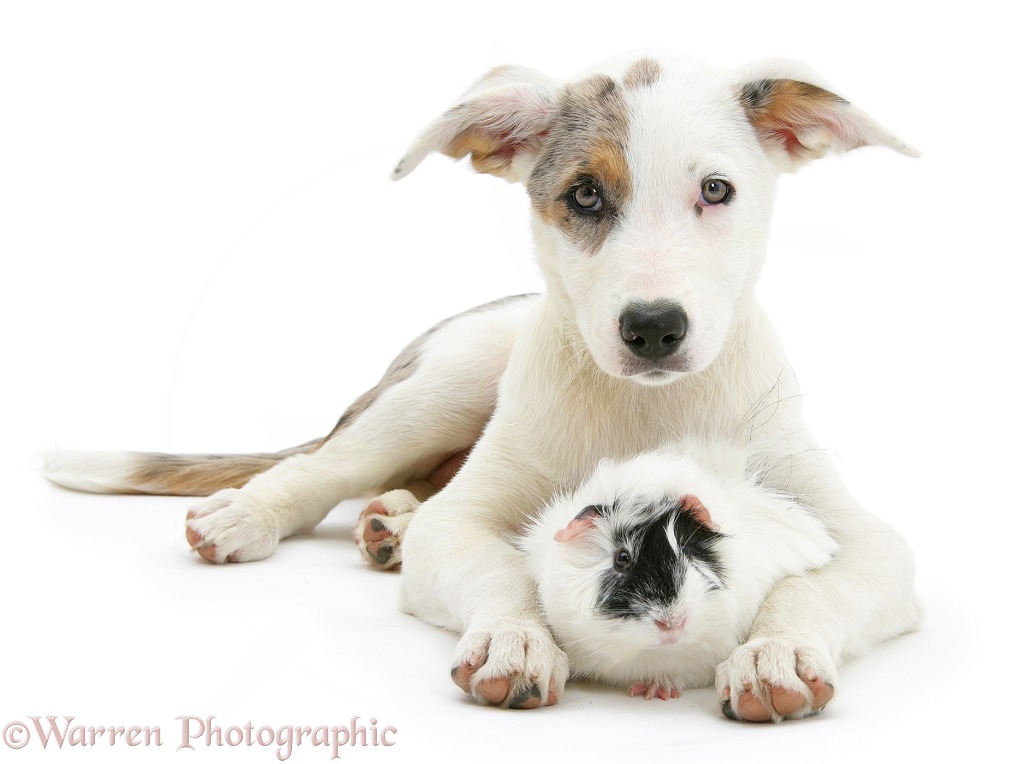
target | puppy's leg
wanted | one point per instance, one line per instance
(809, 624)
(381, 525)
(461, 572)
(432, 402)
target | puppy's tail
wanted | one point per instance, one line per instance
(170, 474)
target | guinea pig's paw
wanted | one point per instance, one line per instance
(381, 526)
(773, 679)
(509, 666)
(651, 690)
(229, 526)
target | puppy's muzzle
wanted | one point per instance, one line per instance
(653, 330)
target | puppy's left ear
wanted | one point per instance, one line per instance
(797, 120)
(500, 121)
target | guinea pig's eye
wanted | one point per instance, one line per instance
(715, 191)
(586, 198)
(622, 560)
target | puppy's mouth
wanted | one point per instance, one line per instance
(658, 372)
(657, 377)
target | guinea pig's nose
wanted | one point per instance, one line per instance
(671, 624)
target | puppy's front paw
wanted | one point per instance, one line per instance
(228, 526)
(772, 679)
(513, 666)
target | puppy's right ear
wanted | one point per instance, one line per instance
(500, 121)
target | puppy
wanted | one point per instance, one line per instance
(651, 181)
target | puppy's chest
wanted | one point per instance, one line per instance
(590, 428)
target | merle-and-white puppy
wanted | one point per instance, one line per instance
(651, 181)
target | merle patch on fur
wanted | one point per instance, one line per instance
(761, 93)
(656, 571)
(404, 365)
(585, 144)
(642, 74)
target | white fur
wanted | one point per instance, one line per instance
(766, 538)
(93, 471)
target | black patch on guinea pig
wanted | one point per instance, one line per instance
(656, 570)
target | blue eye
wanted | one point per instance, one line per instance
(715, 191)
(586, 198)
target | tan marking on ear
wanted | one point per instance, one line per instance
(642, 74)
(487, 155)
(768, 97)
(504, 114)
(782, 111)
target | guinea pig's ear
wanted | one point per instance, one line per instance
(692, 505)
(581, 523)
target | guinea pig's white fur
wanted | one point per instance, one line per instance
(762, 538)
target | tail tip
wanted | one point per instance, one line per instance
(91, 471)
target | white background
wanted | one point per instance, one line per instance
(201, 251)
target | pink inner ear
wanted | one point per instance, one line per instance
(581, 523)
(695, 507)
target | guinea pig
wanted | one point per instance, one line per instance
(652, 571)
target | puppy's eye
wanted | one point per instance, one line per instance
(622, 560)
(715, 191)
(586, 198)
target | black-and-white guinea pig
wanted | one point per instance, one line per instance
(652, 571)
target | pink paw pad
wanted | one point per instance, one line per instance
(501, 691)
(199, 545)
(782, 702)
(377, 543)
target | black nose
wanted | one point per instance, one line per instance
(653, 329)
